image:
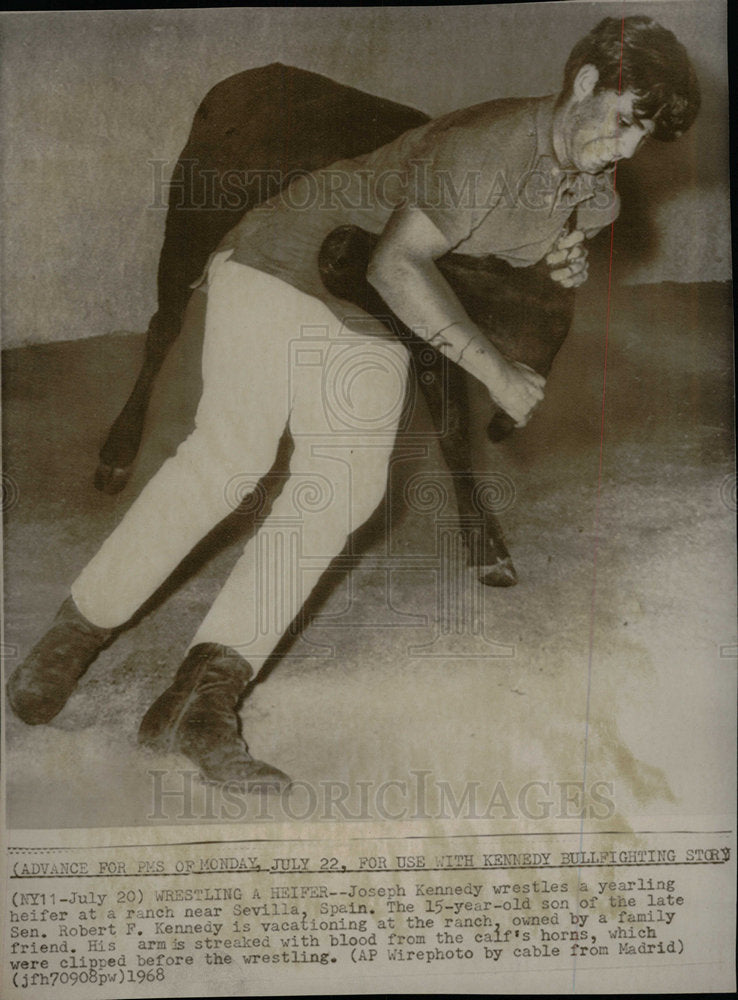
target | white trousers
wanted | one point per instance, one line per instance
(272, 356)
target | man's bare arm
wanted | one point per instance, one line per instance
(404, 273)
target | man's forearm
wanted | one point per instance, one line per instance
(404, 272)
(419, 294)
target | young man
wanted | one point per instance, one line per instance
(500, 178)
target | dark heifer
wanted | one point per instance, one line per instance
(520, 310)
(250, 136)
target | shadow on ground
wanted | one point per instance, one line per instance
(610, 662)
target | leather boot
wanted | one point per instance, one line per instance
(40, 686)
(197, 717)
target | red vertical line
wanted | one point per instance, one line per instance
(593, 600)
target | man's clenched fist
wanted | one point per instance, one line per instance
(568, 260)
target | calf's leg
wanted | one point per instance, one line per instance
(444, 388)
(124, 437)
(343, 261)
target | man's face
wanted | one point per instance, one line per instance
(601, 129)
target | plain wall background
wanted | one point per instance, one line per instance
(88, 99)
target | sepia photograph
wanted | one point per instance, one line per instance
(368, 449)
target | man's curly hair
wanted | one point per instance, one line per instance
(637, 54)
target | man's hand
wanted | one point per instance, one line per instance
(517, 389)
(568, 258)
(403, 271)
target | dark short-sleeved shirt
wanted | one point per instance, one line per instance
(487, 176)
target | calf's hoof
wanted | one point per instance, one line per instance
(499, 574)
(111, 478)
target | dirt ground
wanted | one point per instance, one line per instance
(612, 661)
